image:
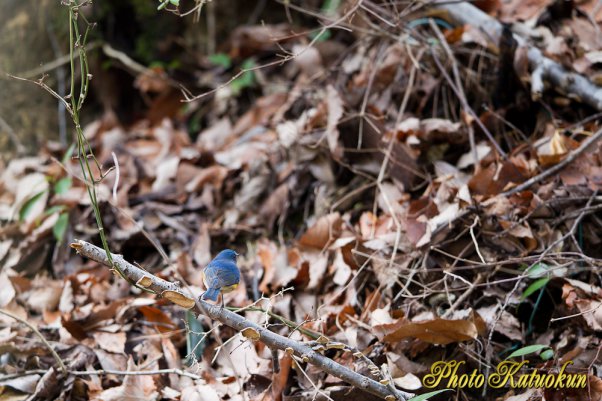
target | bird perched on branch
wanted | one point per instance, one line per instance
(221, 275)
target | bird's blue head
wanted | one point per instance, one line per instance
(227, 254)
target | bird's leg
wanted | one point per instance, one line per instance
(222, 307)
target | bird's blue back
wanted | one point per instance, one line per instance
(222, 270)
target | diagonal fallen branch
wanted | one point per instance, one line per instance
(572, 156)
(544, 70)
(173, 292)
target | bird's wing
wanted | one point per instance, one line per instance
(229, 274)
(211, 276)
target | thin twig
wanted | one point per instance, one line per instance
(56, 356)
(51, 65)
(12, 135)
(102, 372)
(459, 91)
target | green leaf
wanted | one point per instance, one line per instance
(322, 36)
(174, 64)
(426, 396)
(538, 270)
(530, 349)
(28, 206)
(62, 185)
(547, 354)
(54, 209)
(247, 78)
(68, 153)
(536, 285)
(156, 64)
(330, 7)
(221, 59)
(175, 2)
(195, 339)
(60, 227)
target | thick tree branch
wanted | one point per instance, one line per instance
(544, 70)
(274, 341)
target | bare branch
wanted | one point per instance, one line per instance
(544, 69)
(272, 340)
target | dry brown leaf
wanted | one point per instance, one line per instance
(241, 361)
(216, 136)
(173, 359)
(133, 388)
(152, 80)
(521, 10)
(280, 379)
(335, 112)
(33, 190)
(275, 205)
(437, 331)
(323, 232)
(262, 110)
(45, 295)
(201, 250)
(25, 384)
(248, 40)
(214, 175)
(111, 361)
(506, 324)
(161, 321)
(496, 178)
(591, 392)
(551, 149)
(318, 263)
(278, 270)
(308, 59)
(8, 291)
(111, 342)
(200, 392)
(342, 271)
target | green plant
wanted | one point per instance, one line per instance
(73, 103)
(164, 3)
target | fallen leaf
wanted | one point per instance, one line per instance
(437, 331)
(161, 321)
(25, 384)
(111, 342)
(323, 232)
(133, 388)
(335, 112)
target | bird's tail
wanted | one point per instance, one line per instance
(211, 294)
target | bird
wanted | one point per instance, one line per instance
(221, 275)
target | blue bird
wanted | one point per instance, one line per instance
(221, 275)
